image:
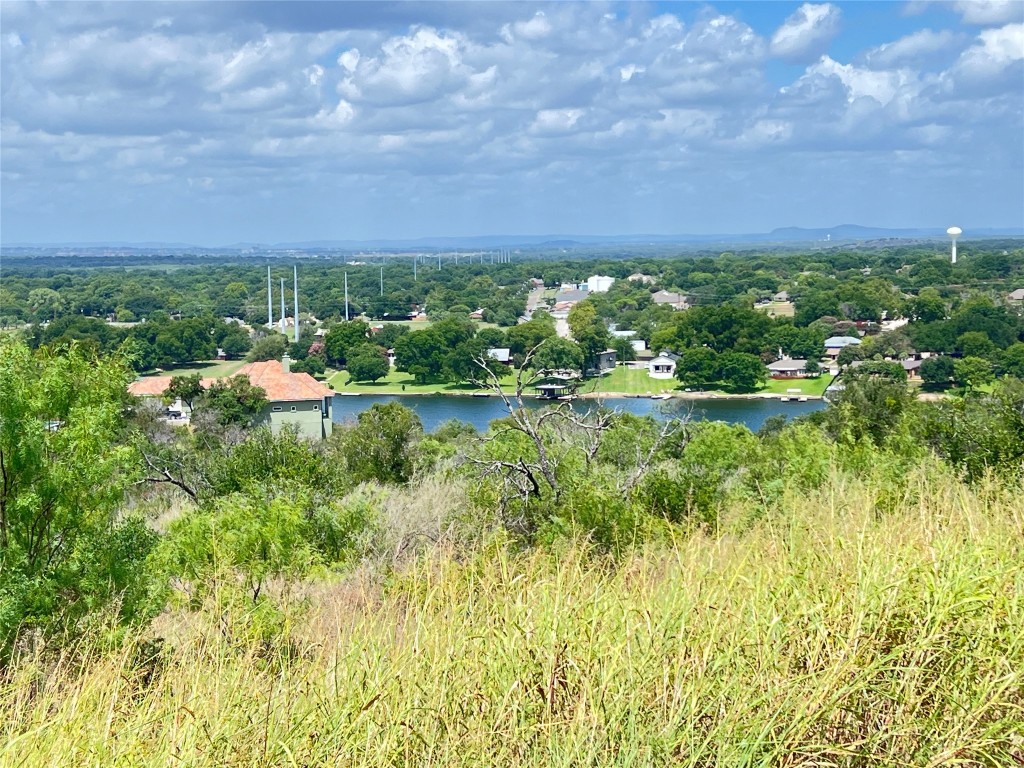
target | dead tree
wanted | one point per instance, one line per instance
(553, 434)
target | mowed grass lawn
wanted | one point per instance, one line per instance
(632, 381)
(207, 369)
(399, 383)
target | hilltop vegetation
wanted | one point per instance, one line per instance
(601, 589)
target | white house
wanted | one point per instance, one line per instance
(599, 283)
(661, 367)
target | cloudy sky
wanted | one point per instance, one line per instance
(214, 123)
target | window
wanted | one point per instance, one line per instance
(316, 407)
(293, 409)
(277, 408)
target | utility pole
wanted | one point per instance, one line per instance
(346, 297)
(270, 301)
(382, 281)
(438, 259)
(282, 309)
(415, 259)
(295, 293)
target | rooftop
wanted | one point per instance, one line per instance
(268, 376)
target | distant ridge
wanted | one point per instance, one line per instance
(837, 234)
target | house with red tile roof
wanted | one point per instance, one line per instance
(293, 398)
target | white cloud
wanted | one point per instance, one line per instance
(882, 86)
(147, 99)
(911, 49)
(532, 29)
(807, 32)
(984, 12)
(993, 63)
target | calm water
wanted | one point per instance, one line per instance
(480, 411)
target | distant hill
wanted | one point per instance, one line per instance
(837, 234)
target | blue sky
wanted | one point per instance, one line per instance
(215, 123)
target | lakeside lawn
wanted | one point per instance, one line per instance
(633, 381)
(400, 383)
(207, 369)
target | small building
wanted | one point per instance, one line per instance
(606, 360)
(781, 296)
(912, 366)
(571, 295)
(500, 354)
(640, 277)
(1016, 297)
(662, 367)
(675, 300)
(788, 368)
(557, 385)
(599, 283)
(835, 344)
(477, 314)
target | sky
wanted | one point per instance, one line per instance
(267, 122)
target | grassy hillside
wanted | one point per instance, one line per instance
(848, 627)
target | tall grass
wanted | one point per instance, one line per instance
(847, 627)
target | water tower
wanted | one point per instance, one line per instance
(954, 233)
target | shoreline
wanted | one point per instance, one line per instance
(601, 395)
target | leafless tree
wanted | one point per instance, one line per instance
(553, 433)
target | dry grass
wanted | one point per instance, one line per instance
(832, 633)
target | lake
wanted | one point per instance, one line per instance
(480, 411)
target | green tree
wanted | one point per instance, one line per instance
(381, 446)
(421, 353)
(589, 331)
(937, 372)
(64, 552)
(367, 363)
(235, 401)
(928, 306)
(185, 388)
(697, 366)
(972, 372)
(558, 354)
(1012, 360)
(256, 538)
(270, 347)
(344, 336)
(741, 372)
(976, 344)
(236, 344)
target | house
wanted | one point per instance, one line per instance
(477, 314)
(662, 367)
(640, 277)
(501, 355)
(912, 366)
(676, 300)
(1017, 296)
(781, 296)
(788, 369)
(293, 398)
(570, 295)
(599, 283)
(834, 344)
(606, 360)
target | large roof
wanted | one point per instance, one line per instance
(268, 376)
(272, 379)
(840, 341)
